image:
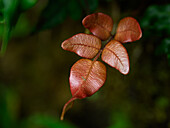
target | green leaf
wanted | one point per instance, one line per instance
(89, 5)
(1, 12)
(54, 14)
(157, 18)
(121, 120)
(9, 103)
(10, 7)
(26, 4)
(168, 56)
(44, 121)
(5, 38)
(22, 27)
(156, 23)
(10, 16)
(164, 47)
(74, 9)
(162, 102)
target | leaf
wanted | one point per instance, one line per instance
(99, 24)
(164, 47)
(86, 78)
(84, 45)
(89, 5)
(156, 19)
(128, 30)
(53, 14)
(10, 16)
(27, 4)
(74, 9)
(116, 56)
(44, 121)
(6, 35)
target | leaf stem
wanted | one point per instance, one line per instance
(98, 54)
(65, 106)
(100, 51)
(111, 38)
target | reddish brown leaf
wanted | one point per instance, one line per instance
(99, 24)
(128, 30)
(86, 77)
(116, 56)
(85, 45)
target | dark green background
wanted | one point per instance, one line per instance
(34, 70)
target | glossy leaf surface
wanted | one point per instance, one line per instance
(128, 30)
(116, 56)
(86, 77)
(99, 24)
(84, 45)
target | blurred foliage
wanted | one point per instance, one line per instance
(164, 48)
(157, 20)
(8, 108)
(10, 11)
(44, 121)
(9, 114)
(55, 12)
(120, 120)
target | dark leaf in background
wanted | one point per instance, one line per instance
(1, 12)
(74, 9)
(164, 48)
(10, 17)
(157, 20)
(44, 121)
(89, 5)
(10, 11)
(26, 4)
(8, 107)
(121, 120)
(54, 14)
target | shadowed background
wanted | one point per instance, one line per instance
(34, 70)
